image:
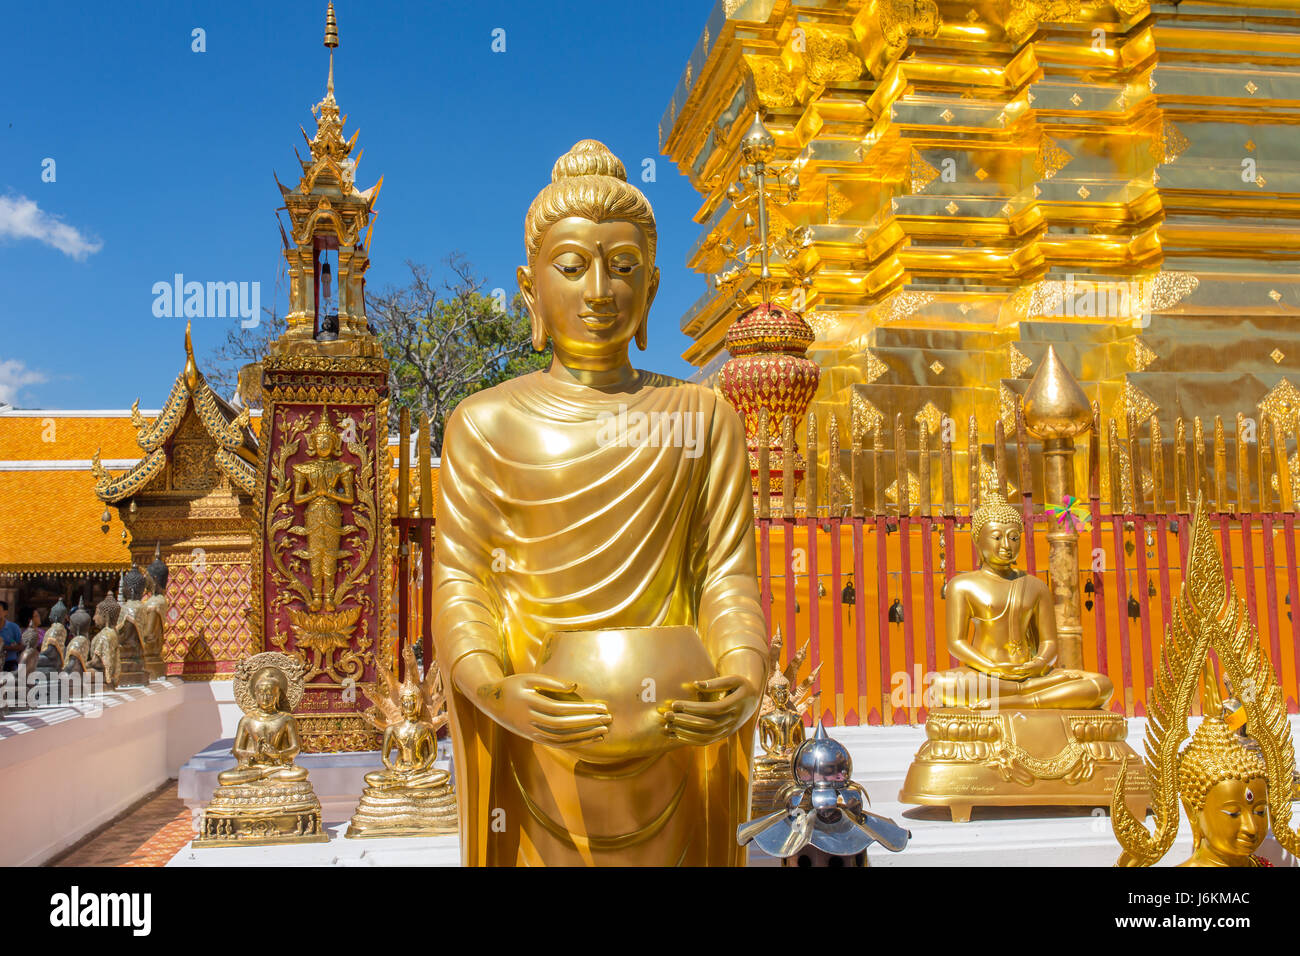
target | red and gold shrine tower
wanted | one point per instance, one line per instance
(323, 548)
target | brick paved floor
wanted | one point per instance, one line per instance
(148, 834)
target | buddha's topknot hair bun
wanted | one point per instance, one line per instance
(590, 157)
(588, 182)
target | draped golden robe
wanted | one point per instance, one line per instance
(556, 513)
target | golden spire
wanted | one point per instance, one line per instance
(1055, 404)
(191, 367)
(331, 41)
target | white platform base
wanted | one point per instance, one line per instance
(66, 771)
(1037, 836)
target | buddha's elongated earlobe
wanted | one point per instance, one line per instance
(525, 277)
(641, 334)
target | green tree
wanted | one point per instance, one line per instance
(446, 340)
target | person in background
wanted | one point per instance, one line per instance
(11, 636)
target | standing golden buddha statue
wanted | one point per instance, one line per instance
(1012, 728)
(597, 616)
(1229, 785)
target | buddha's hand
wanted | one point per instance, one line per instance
(524, 705)
(701, 722)
(1018, 672)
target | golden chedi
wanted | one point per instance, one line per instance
(1012, 728)
(595, 581)
(410, 796)
(780, 724)
(265, 798)
(1229, 786)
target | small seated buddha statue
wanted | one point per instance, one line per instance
(56, 638)
(410, 796)
(130, 629)
(152, 616)
(31, 652)
(77, 652)
(1002, 628)
(1233, 788)
(780, 725)
(104, 653)
(265, 798)
(1011, 727)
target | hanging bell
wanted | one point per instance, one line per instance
(1134, 609)
(1151, 541)
(821, 589)
(104, 520)
(797, 607)
(848, 595)
(896, 612)
(1088, 588)
(1151, 588)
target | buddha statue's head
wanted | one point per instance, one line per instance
(270, 689)
(591, 276)
(410, 704)
(59, 613)
(132, 585)
(997, 528)
(31, 639)
(323, 440)
(106, 612)
(778, 688)
(1224, 790)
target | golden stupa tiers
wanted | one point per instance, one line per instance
(982, 181)
(1229, 785)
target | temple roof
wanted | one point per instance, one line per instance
(228, 427)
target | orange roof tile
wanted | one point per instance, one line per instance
(50, 521)
(57, 435)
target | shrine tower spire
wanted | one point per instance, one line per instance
(327, 247)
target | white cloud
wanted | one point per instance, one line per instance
(21, 218)
(15, 376)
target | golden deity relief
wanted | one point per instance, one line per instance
(322, 533)
(597, 616)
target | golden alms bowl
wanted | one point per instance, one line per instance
(633, 671)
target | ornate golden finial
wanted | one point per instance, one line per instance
(1055, 404)
(331, 41)
(192, 375)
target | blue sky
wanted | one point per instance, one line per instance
(164, 158)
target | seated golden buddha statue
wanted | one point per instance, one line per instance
(596, 597)
(1002, 628)
(780, 725)
(265, 798)
(1229, 785)
(410, 796)
(1011, 727)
